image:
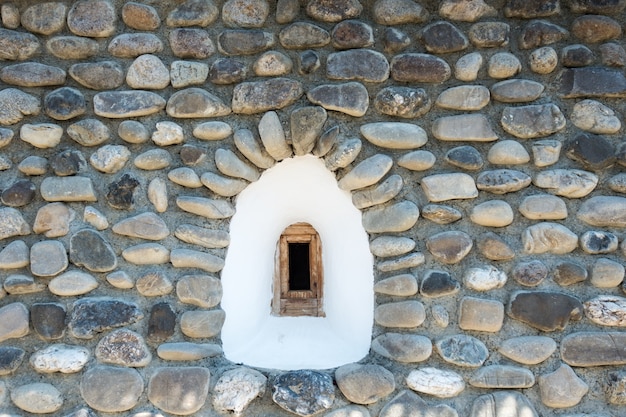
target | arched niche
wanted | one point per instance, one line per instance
(298, 189)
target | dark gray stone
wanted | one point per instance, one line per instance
(17, 46)
(193, 13)
(594, 28)
(195, 102)
(352, 34)
(120, 192)
(592, 151)
(465, 157)
(530, 273)
(104, 75)
(403, 102)
(573, 56)
(569, 273)
(68, 162)
(613, 54)
(493, 247)
(125, 104)
(261, 96)
(32, 74)
(531, 9)
(10, 359)
(598, 242)
(600, 348)
(502, 181)
(48, 320)
(162, 322)
(606, 7)
(303, 392)
(438, 284)
(192, 155)
(357, 64)
(89, 249)
(95, 315)
(443, 37)
(333, 10)
(462, 350)
(351, 98)
(591, 82)
(309, 62)
(244, 41)
(489, 34)
(395, 40)
(540, 33)
(449, 247)
(18, 194)
(191, 43)
(546, 311)
(227, 71)
(64, 103)
(419, 68)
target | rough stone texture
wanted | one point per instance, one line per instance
(406, 348)
(462, 350)
(237, 388)
(436, 382)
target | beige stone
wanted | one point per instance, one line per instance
(202, 324)
(481, 315)
(492, 213)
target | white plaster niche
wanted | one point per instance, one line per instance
(299, 189)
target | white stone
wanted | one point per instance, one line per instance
(503, 65)
(508, 152)
(148, 72)
(484, 278)
(464, 97)
(437, 382)
(37, 398)
(157, 194)
(606, 310)
(237, 388)
(185, 73)
(121, 280)
(187, 351)
(187, 258)
(492, 213)
(212, 130)
(93, 216)
(385, 246)
(60, 358)
(606, 273)
(206, 207)
(443, 187)
(224, 186)
(467, 67)
(546, 152)
(367, 172)
(42, 135)
(247, 144)
(72, 283)
(549, 237)
(110, 158)
(595, 117)
(168, 133)
(543, 60)
(570, 183)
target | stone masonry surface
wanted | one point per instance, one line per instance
(482, 141)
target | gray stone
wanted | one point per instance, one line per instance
(449, 247)
(394, 135)
(606, 310)
(484, 278)
(400, 314)
(531, 9)
(543, 60)
(303, 392)
(489, 34)
(438, 284)
(333, 11)
(548, 237)
(601, 211)
(191, 43)
(502, 181)
(140, 16)
(349, 411)
(591, 82)
(72, 283)
(273, 136)
(532, 121)
(576, 56)
(366, 173)
(408, 400)
(364, 384)
(33, 165)
(419, 68)
(202, 324)
(530, 273)
(146, 254)
(90, 250)
(352, 34)
(187, 351)
(306, 126)
(147, 72)
(123, 347)
(244, 41)
(436, 382)
(417, 160)
(18, 194)
(61, 358)
(15, 104)
(303, 35)
(309, 62)
(13, 321)
(110, 158)
(72, 47)
(569, 273)
(411, 260)
(597, 7)
(200, 290)
(48, 258)
(398, 12)
(48, 320)
(466, 11)
(598, 242)
(133, 131)
(187, 258)
(89, 132)
(591, 151)
(111, 389)
(10, 17)
(91, 315)
(516, 91)
(186, 73)
(462, 350)
(251, 148)
(546, 311)
(466, 68)
(476, 314)
(125, 104)
(32, 74)
(193, 13)
(14, 255)
(37, 398)
(442, 38)
(45, 18)
(503, 65)
(226, 71)
(404, 348)
(585, 349)
(10, 359)
(606, 273)
(528, 350)
(6, 135)
(453, 186)
(245, 13)
(215, 130)
(228, 163)
(195, 103)
(144, 226)
(131, 45)
(92, 18)
(615, 386)
(64, 103)
(153, 160)
(403, 102)
(161, 322)
(226, 187)
(154, 283)
(613, 55)
(184, 176)
(385, 246)
(562, 388)
(441, 214)
(343, 154)
(287, 11)
(543, 207)
(503, 404)
(440, 316)
(237, 388)
(22, 284)
(350, 98)
(571, 183)
(17, 46)
(380, 194)
(464, 97)
(357, 64)
(261, 96)
(398, 217)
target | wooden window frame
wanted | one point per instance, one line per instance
(295, 303)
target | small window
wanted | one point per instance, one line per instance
(298, 281)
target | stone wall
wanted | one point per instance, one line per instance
(480, 139)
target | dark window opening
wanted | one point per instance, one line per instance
(299, 267)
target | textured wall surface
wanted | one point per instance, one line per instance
(480, 139)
